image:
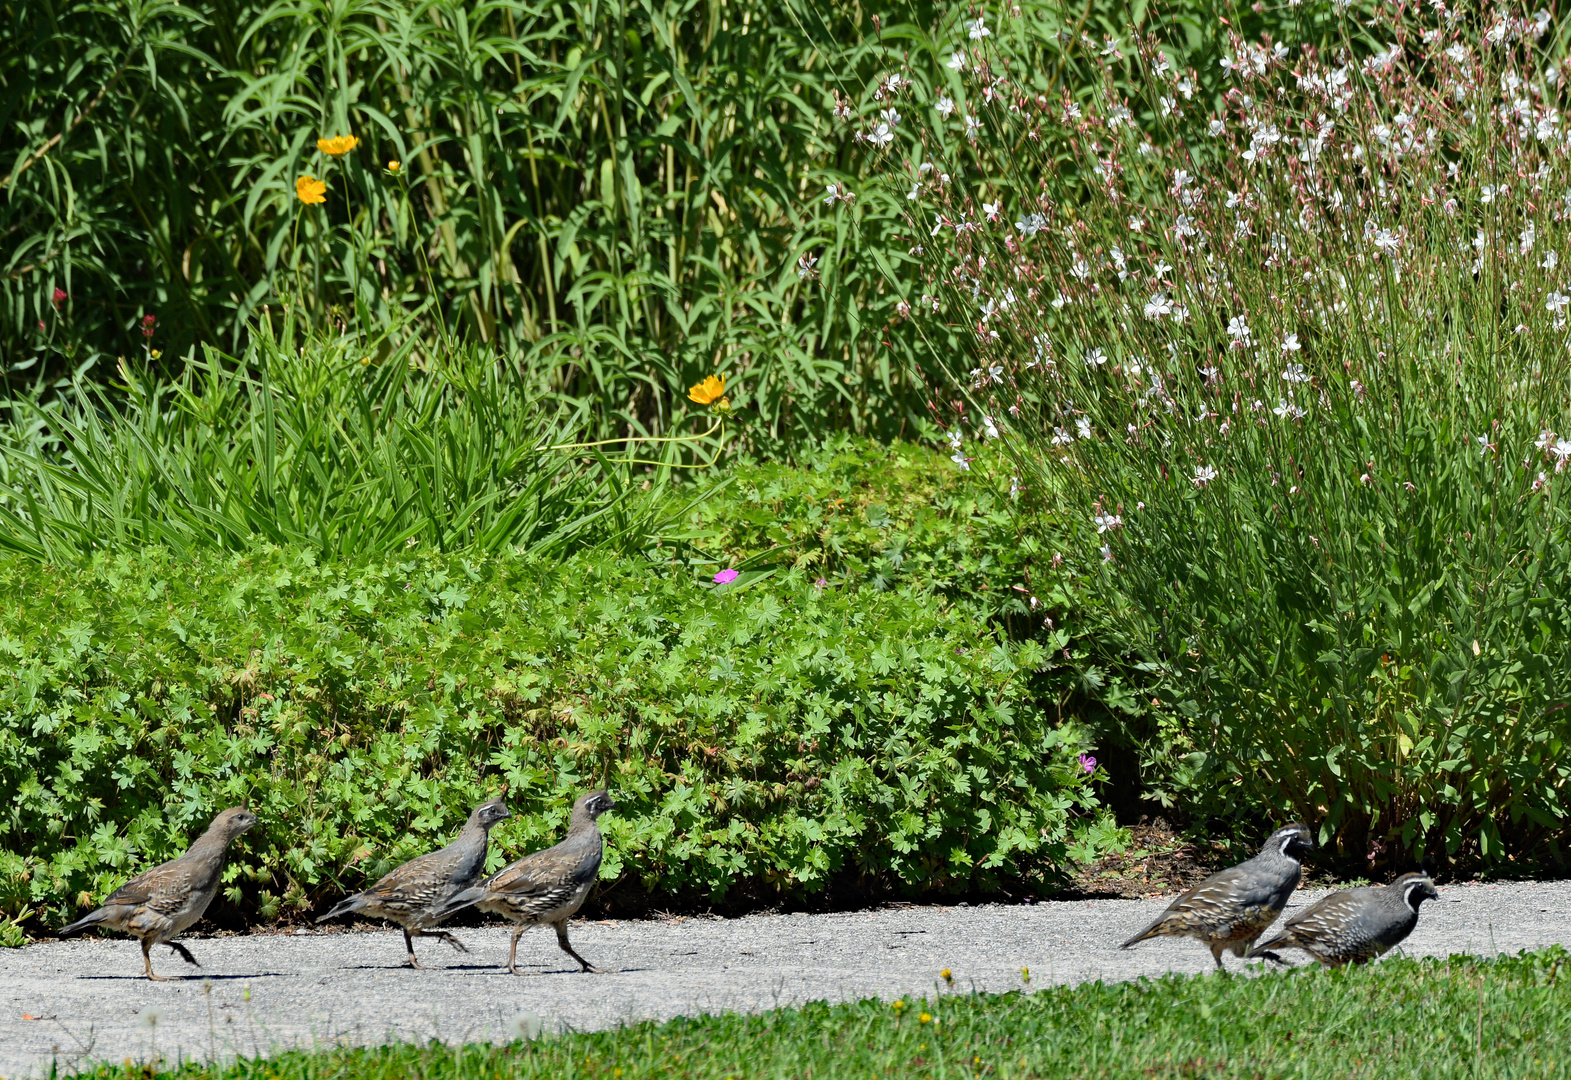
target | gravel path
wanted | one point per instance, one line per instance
(258, 994)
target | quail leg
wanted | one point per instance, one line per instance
(185, 954)
(561, 939)
(147, 962)
(512, 951)
(410, 945)
(442, 935)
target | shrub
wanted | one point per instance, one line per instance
(1295, 384)
(763, 737)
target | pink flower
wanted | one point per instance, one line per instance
(725, 577)
(60, 296)
(1088, 763)
(820, 583)
(148, 322)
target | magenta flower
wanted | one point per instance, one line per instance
(60, 296)
(1088, 763)
(725, 577)
(148, 323)
(820, 583)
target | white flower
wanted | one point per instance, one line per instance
(1204, 474)
(1160, 269)
(973, 125)
(977, 30)
(991, 209)
(1238, 330)
(955, 439)
(1290, 343)
(1095, 358)
(945, 105)
(1082, 427)
(891, 117)
(1158, 306)
(1107, 553)
(1557, 301)
(1210, 371)
(961, 460)
(523, 1027)
(1484, 445)
(1295, 374)
(1561, 450)
(805, 265)
(1288, 411)
(1061, 437)
(1105, 522)
(989, 427)
(957, 62)
(1386, 240)
(1031, 224)
(881, 135)
(916, 189)
(836, 193)
(1216, 127)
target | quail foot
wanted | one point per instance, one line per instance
(160, 904)
(1227, 911)
(1356, 925)
(410, 895)
(548, 886)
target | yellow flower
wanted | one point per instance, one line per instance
(946, 976)
(926, 1018)
(338, 145)
(709, 390)
(311, 190)
(394, 167)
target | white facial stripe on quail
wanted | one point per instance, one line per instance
(1407, 894)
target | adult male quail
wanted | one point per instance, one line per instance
(1227, 911)
(1357, 925)
(159, 904)
(410, 895)
(548, 886)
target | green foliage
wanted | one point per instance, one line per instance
(1453, 1019)
(614, 195)
(344, 446)
(1290, 389)
(767, 734)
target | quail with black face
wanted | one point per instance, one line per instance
(1227, 911)
(160, 904)
(411, 894)
(1356, 925)
(547, 887)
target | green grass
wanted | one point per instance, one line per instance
(1460, 1017)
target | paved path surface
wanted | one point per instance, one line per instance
(258, 994)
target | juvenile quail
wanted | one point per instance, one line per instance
(410, 895)
(1227, 911)
(159, 904)
(1357, 925)
(548, 886)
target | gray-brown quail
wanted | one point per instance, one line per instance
(411, 894)
(1356, 925)
(1229, 910)
(548, 886)
(160, 904)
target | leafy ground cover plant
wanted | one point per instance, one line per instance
(1291, 365)
(1457, 1018)
(763, 737)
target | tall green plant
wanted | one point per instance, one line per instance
(329, 444)
(1290, 372)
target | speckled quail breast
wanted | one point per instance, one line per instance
(160, 904)
(1229, 910)
(411, 894)
(1356, 925)
(548, 886)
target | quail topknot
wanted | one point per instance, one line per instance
(548, 886)
(1356, 925)
(1229, 910)
(159, 904)
(411, 894)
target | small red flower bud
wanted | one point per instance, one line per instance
(60, 296)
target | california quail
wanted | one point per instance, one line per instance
(1355, 926)
(159, 904)
(1227, 911)
(548, 886)
(410, 895)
